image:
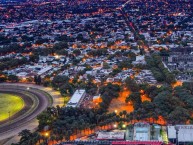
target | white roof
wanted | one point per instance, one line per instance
(45, 69)
(96, 97)
(111, 135)
(185, 133)
(140, 58)
(73, 102)
(21, 74)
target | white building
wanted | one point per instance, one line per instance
(185, 133)
(76, 98)
(141, 132)
(118, 135)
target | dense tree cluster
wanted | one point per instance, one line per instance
(12, 63)
(135, 98)
(75, 120)
(132, 85)
(125, 64)
(11, 48)
(108, 92)
(29, 138)
(66, 87)
(174, 105)
(161, 73)
(98, 52)
(13, 78)
(37, 79)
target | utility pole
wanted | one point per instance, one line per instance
(177, 130)
(9, 118)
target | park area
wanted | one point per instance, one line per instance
(119, 105)
(9, 105)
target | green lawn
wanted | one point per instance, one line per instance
(66, 99)
(9, 103)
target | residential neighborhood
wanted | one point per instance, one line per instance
(123, 70)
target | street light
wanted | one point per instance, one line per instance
(116, 111)
(57, 57)
(28, 88)
(123, 125)
(9, 121)
(115, 125)
(9, 116)
(46, 135)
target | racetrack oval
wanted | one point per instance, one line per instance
(35, 100)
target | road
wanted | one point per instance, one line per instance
(36, 98)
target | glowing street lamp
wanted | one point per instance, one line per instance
(46, 134)
(56, 56)
(115, 125)
(123, 125)
(116, 111)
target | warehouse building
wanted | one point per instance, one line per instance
(76, 98)
(181, 133)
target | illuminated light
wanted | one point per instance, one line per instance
(28, 88)
(56, 56)
(46, 134)
(116, 111)
(115, 125)
(142, 91)
(123, 125)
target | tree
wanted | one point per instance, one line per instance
(25, 136)
(66, 89)
(36, 79)
(62, 52)
(44, 119)
(76, 52)
(13, 78)
(39, 80)
(3, 77)
(179, 116)
(188, 86)
(125, 64)
(106, 65)
(28, 138)
(131, 85)
(165, 103)
(115, 71)
(124, 113)
(59, 80)
(135, 98)
(60, 46)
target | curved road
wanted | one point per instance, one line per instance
(36, 98)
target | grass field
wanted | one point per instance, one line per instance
(9, 103)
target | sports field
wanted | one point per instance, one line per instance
(9, 104)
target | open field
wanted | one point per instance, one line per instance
(119, 103)
(9, 103)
